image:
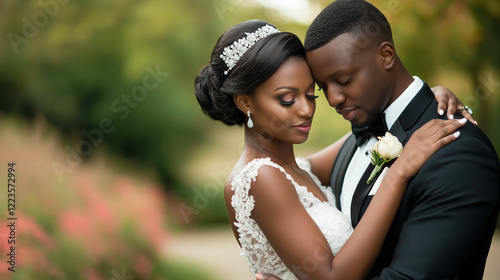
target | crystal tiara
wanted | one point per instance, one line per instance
(233, 53)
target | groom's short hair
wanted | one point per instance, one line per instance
(356, 17)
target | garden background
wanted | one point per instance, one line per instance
(119, 174)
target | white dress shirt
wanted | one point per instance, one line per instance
(361, 158)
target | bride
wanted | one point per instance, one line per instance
(282, 216)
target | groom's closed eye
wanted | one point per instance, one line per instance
(344, 80)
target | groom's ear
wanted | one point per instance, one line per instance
(387, 54)
(243, 102)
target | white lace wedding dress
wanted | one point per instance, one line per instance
(259, 254)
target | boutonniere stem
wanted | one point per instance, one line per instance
(386, 149)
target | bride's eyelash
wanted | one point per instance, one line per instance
(291, 102)
(287, 103)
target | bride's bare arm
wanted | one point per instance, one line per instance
(300, 243)
(322, 161)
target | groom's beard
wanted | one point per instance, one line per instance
(371, 117)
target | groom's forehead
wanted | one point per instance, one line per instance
(342, 50)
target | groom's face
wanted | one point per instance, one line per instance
(352, 76)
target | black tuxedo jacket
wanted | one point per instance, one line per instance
(447, 217)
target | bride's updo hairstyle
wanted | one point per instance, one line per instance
(214, 89)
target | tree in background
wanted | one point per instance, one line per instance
(116, 75)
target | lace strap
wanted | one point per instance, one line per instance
(304, 164)
(242, 202)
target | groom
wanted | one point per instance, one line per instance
(444, 226)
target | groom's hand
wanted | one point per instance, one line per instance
(264, 276)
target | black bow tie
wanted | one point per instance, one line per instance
(362, 134)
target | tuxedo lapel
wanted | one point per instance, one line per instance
(402, 129)
(398, 131)
(340, 167)
(362, 191)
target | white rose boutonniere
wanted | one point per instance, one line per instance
(386, 149)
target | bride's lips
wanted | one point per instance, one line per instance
(348, 113)
(305, 126)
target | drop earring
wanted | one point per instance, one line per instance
(250, 122)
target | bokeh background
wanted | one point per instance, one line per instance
(119, 174)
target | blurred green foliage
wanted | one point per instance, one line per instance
(77, 63)
(125, 70)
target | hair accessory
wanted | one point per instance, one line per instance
(250, 122)
(233, 53)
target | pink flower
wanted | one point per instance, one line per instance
(104, 216)
(4, 235)
(27, 226)
(82, 227)
(31, 257)
(74, 224)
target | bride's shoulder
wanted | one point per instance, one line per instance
(245, 169)
(258, 171)
(253, 168)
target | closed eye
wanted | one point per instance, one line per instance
(287, 103)
(345, 83)
(310, 92)
(287, 98)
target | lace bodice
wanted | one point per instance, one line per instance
(258, 252)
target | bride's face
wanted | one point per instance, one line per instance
(283, 107)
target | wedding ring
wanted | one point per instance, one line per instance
(466, 108)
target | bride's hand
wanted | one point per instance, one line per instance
(424, 143)
(449, 103)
